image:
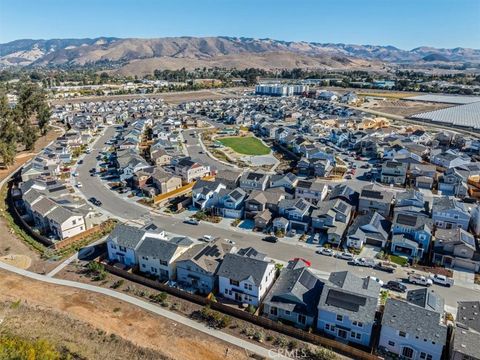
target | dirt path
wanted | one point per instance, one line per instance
(116, 317)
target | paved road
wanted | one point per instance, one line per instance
(286, 249)
(197, 153)
(253, 348)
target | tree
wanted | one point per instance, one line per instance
(43, 119)
(28, 135)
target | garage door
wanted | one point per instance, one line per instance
(374, 242)
(464, 264)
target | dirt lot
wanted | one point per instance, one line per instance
(109, 316)
(170, 97)
(402, 107)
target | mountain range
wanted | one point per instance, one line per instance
(145, 55)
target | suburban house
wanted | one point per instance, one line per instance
(332, 217)
(259, 201)
(449, 213)
(294, 297)
(411, 202)
(375, 199)
(368, 229)
(197, 267)
(453, 183)
(297, 212)
(448, 160)
(250, 181)
(422, 176)
(205, 194)
(124, 240)
(231, 203)
(65, 223)
(414, 329)
(312, 191)
(157, 256)
(466, 338)
(411, 235)
(347, 307)
(165, 182)
(230, 178)
(394, 172)
(456, 248)
(160, 157)
(190, 170)
(287, 181)
(245, 279)
(345, 193)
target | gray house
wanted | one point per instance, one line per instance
(371, 229)
(456, 248)
(414, 329)
(375, 199)
(467, 332)
(196, 268)
(294, 296)
(449, 213)
(394, 172)
(254, 181)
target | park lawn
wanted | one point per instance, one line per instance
(247, 145)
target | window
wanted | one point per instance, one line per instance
(122, 248)
(327, 326)
(113, 246)
(339, 317)
(423, 355)
(234, 282)
(143, 265)
(226, 291)
(302, 319)
(357, 323)
(391, 343)
(247, 286)
(429, 357)
(273, 311)
(74, 222)
(359, 336)
(402, 334)
(287, 312)
(407, 352)
(164, 263)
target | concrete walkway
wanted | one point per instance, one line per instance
(249, 347)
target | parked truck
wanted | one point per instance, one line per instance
(419, 280)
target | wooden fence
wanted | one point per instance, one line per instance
(243, 315)
(179, 191)
(83, 235)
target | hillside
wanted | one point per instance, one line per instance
(144, 55)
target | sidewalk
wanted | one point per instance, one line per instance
(249, 347)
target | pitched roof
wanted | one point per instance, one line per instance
(209, 256)
(414, 320)
(163, 250)
(126, 235)
(239, 268)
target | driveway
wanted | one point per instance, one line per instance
(463, 276)
(370, 251)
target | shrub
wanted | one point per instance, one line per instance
(280, 341)
(320, 353)
(96, 271)
(292, 344)
(159, 298)
(251, 309)
(117, 284)
(258, 336)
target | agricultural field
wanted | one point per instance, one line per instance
(247, 145)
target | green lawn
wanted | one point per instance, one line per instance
(245, 145)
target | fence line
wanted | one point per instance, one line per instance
(241, 314)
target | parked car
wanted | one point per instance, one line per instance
(366, 262)
(441, 280)
(373, 278)
(80, 162)
(396, 286)
(95, 201)
(207, 238)
(345, 256)
(325, 251)
(419, 280)
(192, 221)
(386, 266)
(272, 239)
(79, 185)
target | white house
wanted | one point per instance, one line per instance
(245, 279)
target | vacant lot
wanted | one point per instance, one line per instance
(100, 321)
(248, 145)
(403, 107)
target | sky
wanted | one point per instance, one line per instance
(402, 23)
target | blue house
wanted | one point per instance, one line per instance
(347, 307)
(230, 203)
(411, 235)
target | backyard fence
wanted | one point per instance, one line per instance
(243, 315)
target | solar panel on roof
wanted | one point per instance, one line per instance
(345, 301)
(372, 194)
(405, 219)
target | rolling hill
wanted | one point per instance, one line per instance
(144, 55)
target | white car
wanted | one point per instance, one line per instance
(325, 251)
(208, 238)
(79, 185)
(366, 262)
(373, 278)
(419, 280)
(441, 280)
(345, 256)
